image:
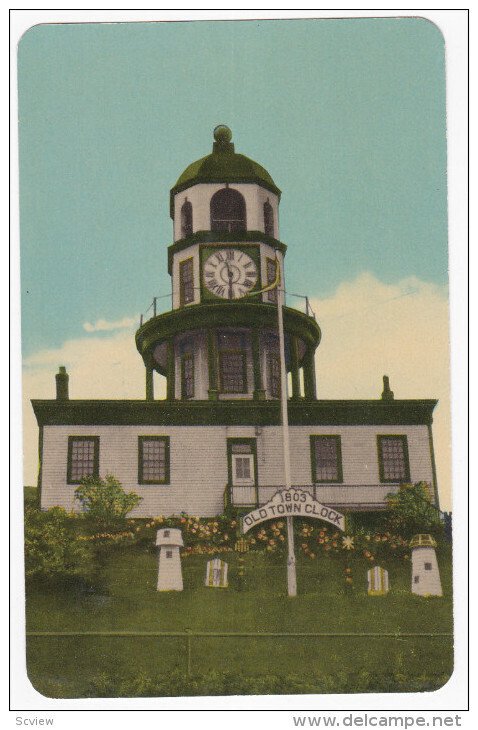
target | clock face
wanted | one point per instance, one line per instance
(230, 273)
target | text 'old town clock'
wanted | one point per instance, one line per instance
(230, 273)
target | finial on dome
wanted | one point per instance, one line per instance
(222, 140)
(222, 133)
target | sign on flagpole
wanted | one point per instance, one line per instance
(293, 502)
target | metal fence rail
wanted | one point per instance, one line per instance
(352, 496)
(345, 496)
(189, 635)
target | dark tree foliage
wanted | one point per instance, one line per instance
(411, 512)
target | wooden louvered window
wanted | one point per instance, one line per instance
(271, 277)
(187, 376)
(186, 219)
(268, 219)
(232, 371)
(186, 282)
(273, 374)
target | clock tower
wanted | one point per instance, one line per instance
(220, 341)
(216, 441)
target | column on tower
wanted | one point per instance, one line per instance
(308, 364)
(171, 371)
(259, 390)
(213, 391)
(294, 367)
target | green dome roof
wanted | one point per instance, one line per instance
(223, 165)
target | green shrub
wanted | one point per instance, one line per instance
(410, 512)
(53, 551)
(105, 501)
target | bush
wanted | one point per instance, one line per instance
(53, 552)
(105, 501)
(411, 512)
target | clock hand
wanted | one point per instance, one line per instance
(230, 275)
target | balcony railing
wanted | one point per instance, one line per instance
(347, 496)
(164, 303)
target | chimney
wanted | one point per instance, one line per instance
(62, 384)
(387, 394)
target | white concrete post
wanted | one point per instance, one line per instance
(170, 577)
(425, 574)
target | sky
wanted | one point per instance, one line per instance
(348, 116)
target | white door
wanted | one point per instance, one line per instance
(243, 481)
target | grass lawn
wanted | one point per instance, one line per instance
(82, 666)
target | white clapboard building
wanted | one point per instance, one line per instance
(215, 440)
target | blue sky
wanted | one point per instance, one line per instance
(348, 116)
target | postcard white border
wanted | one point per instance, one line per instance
(452, 697)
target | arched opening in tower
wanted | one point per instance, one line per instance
(228, 211)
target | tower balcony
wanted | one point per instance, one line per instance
(228, 350)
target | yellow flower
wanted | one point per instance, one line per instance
(348, 542)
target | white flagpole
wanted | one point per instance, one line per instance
(291, 569)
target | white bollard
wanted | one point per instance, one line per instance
(170, 577)
(425, 574)
(378, 584)
(216, 573)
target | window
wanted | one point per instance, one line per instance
(273, 374)
(271, 277)
(153, 460)
(166, 533)
(241, 458)
(169, 553)
(232, 372)
(83, 458)
(187, 376)
(326, 454)
(268, 219)
(393, 459)
(228, 211)
(428, 566)
(416, 578)
(186, 282)
(186, 219)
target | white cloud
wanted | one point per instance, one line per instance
(102, 325)
(99, 367)
(368, 329)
